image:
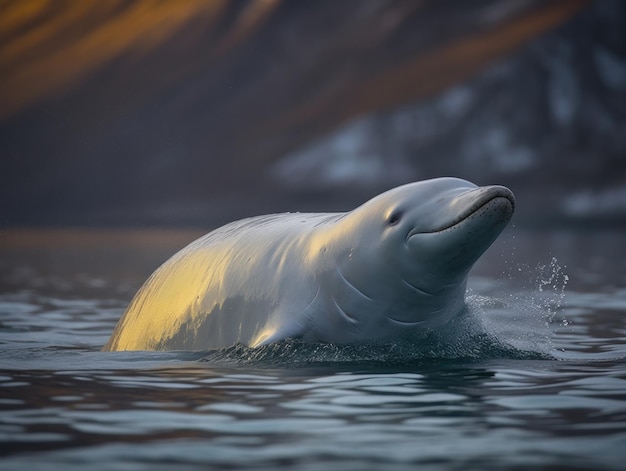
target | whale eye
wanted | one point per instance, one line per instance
(394, 218)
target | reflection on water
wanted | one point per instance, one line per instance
(562, 403)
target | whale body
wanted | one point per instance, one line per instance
(394, 265)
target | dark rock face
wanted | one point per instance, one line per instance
(550, 122)
(115, 113)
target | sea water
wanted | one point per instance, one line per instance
(533, 375)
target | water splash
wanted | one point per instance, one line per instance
(551, 280)
(524, 309)
(463, 339)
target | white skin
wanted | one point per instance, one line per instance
(396, 264)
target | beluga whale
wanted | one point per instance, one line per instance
(397, 264)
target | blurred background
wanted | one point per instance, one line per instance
(193, 113)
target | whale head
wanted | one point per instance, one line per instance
(439, 228)
(410, 250)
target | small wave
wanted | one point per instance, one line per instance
(463, 339)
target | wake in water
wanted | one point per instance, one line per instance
(464, 338)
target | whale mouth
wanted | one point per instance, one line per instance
(500, 198)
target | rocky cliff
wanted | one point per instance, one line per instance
(118, 113)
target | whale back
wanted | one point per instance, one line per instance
(227, 287)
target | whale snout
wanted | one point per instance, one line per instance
(499, 194)
(494, 202)
(488, 203)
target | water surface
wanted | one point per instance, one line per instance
(536, 379)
